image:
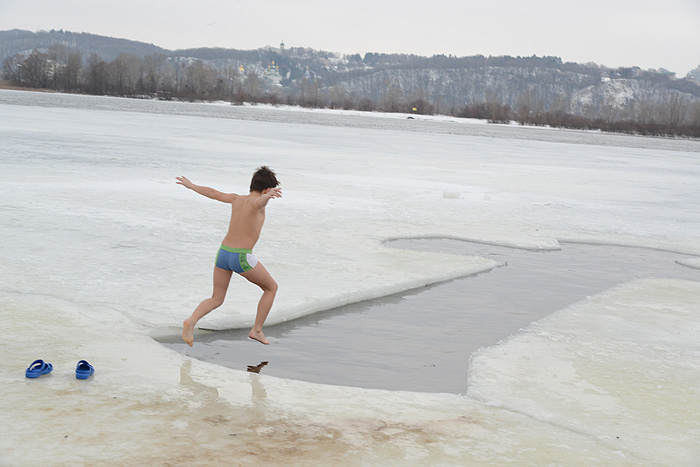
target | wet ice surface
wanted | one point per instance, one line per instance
(100, 249)
(421, 340)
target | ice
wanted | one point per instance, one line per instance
(100, 248)
(690, 262)
(626, 358)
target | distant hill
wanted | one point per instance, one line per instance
(23, 42)
(524, 87)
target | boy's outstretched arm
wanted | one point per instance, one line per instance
(206, 191)
(268, 194)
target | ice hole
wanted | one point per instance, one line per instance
(421, 340)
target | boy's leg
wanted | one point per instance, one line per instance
(260, 277)
(222, 277)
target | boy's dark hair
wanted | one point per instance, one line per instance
(263, 178)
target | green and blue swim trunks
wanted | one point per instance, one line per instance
(238, 260)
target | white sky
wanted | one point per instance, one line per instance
(645, 33)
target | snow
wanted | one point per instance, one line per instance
(691, 262)
(574, 368)
(101, 249)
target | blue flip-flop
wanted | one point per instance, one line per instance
(38, 368)
(84, 370)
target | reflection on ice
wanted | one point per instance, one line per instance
(256, 368)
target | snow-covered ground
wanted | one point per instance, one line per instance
(101, 249)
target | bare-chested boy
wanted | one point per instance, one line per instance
(236, 252)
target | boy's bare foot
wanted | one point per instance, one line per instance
(258, 336)
(188, 332)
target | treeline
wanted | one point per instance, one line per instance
(177, 77)
(155, 76)
(63, 69)
(499, 113)
(160, 76)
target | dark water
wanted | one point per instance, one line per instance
(421, 340)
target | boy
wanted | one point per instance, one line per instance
(235, 254)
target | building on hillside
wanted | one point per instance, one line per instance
(272, 75)
(240, 78)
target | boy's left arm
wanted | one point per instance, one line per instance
(268, 194)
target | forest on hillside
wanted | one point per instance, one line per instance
(530, 90)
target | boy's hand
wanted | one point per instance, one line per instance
(267, 195)
(274, 192)
(184, 181)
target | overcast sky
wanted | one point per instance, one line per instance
(645, 33)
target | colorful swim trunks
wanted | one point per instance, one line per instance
(235, 259)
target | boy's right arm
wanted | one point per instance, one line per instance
(206, 191)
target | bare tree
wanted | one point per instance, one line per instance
(253, 85)
(65, 66)
(675, 110)
(152, 72)
(229, 76)
(72, 69)
(337, 96)
(419, 102)
(96, 75)
(695, 115)
(124, 74)
(314, 93)
(168, 80)
(392, 97)
(437, 86)
(305, 87)
(524, 108)
(35, 70)
(201, 79)
(12, 68)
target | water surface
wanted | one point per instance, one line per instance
(421, 340)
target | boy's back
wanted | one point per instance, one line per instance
(247, 218)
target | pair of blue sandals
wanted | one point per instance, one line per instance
(39, 367)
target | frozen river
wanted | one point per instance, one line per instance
(102, 250)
